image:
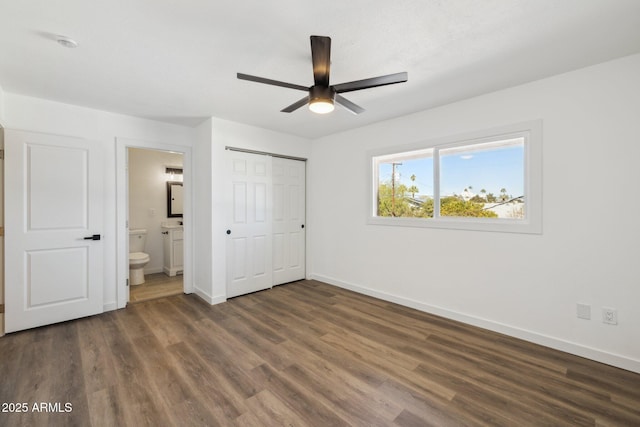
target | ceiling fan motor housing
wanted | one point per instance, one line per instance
(324, 93)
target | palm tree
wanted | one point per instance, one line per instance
(504, 194)
(413, 189)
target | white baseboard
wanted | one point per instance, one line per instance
(218, 299)
(213, 300)
(153, 270)
(531, 336)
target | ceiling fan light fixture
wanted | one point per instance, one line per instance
(321, 99)
(321, 106)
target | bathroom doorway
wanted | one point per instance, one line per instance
(156, 223)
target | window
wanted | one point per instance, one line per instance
(486, 181)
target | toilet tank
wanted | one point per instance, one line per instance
(137, 238)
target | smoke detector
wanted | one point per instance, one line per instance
(67, 42)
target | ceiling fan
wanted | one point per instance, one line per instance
(321, 96)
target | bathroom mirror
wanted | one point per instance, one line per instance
(174, 199)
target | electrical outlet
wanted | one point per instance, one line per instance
(609, 316)
(584, 311)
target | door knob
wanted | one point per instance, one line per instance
(302, 226)
(94, 237)
(228, 231)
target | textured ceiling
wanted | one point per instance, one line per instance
(177, 61)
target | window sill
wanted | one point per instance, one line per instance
(490, 225)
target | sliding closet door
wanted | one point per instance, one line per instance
(266, 229)
(249, 236)
(288, 220)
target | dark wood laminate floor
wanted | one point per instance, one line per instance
(303, 354)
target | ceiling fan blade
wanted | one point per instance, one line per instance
(296, 105)
(354, 108)
(321, 57)
(271, 82)
(389, 79)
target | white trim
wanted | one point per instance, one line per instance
(2, 246)
(208, 298)
(264, 153)
(595, 354)
(122, 236)
(531, 131)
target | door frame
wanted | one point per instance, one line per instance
(122, 208)
(2, 310)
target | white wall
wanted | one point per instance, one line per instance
(38, 115)
(148, 199)
(588, 251)
(2, 107)
(226, 133)
(202, 208)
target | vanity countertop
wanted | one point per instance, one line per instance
(172, 226)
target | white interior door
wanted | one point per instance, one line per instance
(249, 240)
(53, 193)
(288, 220)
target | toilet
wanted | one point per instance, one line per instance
(137, 257)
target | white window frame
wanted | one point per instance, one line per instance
(531, 131)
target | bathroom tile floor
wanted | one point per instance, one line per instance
(156, 285)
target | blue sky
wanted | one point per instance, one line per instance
(489, 169)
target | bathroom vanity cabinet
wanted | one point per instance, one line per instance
(173, 242)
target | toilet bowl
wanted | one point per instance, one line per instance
(137, 257)
(137, 261)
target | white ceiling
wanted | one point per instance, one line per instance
(177, 61)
